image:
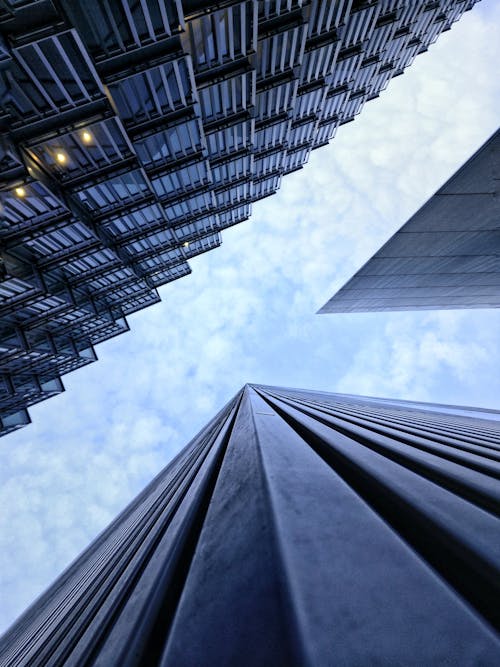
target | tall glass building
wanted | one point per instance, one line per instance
(446, 256)
(298, 528)
(133, 132)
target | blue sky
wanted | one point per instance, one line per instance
(247, 314)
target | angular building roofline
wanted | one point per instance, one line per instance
(447, 255)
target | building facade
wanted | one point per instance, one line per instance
(297, 528)
(446, 256)
(133, 133)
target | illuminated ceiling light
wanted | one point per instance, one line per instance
(86, 137)
(62, 158)
(186, 244)
(20, 192)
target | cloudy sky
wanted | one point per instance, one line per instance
(247, 314)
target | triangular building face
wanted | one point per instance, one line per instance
(446, 256)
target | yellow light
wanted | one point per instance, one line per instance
(62, 158)
(186, 244)
(87, 137)
(20, 192)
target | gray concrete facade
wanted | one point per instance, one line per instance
(446, 256)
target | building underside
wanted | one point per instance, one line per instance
(133, 132)
(297, 528)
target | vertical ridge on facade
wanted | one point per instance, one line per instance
(435, 516)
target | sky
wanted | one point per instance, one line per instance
(247, 313)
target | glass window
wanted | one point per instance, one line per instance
(126, 187)
(153, 93)
(222, 35)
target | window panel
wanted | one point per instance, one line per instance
(45, 82)
(280, 52)
(112, 27)
(169, 144)
(222, 35)
(117, 191)
(81, 152)
(153, 93)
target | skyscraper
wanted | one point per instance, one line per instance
(297, 528)
(446, 256)
(132, 133)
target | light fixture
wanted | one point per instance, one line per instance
(20, 192)
(86, 137)
(186, 244)
(61, 157)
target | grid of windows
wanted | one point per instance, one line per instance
(132, 133)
